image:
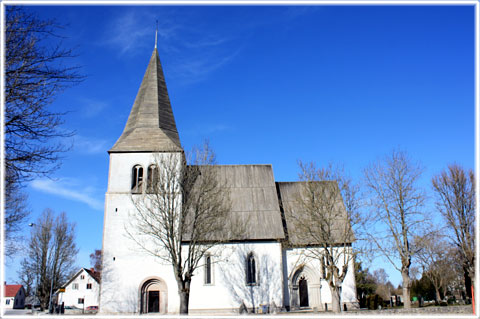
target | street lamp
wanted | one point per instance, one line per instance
(50, 310)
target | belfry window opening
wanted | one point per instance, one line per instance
(137, 179)
(152, 179)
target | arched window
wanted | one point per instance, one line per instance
(137, 179)
(208, 270)
(251, 270)
(152, 179)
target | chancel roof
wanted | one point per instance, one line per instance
(305, 228)
(151, 125)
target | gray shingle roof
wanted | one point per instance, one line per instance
(254, 203)
(291, 194)
(151, 124)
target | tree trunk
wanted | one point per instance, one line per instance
(468, 282)
(406, 290)
(336, 306)
(437, 295)
(184, 299)
(183, 292)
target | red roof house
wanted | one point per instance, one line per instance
(11, 290)
(14, 297)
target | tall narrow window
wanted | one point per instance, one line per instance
(137, 179)
(152, 179)
(208, 270)
(251, 270)
(324, 267)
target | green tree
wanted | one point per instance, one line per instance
(365, 283)
(423, 287)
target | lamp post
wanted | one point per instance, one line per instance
(51, 281)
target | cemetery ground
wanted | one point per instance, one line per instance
(451, 310)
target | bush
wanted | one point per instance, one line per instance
(373, 301)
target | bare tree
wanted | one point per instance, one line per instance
(384, 286)
(34, 75)
(96, 262)
(183, 209)
(436, 258)
(51, 254)
(396, 217)
(16, 212)
(27, 279)
(455, 190)
(327, 207)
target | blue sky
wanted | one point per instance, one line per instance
(266, 84)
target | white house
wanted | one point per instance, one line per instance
(81, 291)
(14, 297)
(264, 267)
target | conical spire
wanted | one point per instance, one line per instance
(151, 125)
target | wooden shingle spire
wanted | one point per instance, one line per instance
(151, 124)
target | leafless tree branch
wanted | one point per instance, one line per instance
(396, 217)
(179, 218)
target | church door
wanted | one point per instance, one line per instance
(153, 296)
(153, 301)
(303, 292)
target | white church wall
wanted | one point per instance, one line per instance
(229, 288)
(126, 266)
(121, 164)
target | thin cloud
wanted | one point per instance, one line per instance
(88, 145)
(195, 70)
(91, 107)
(208, 42)
(192, 51)
(67, 188)
(129, 30)
(133, 30)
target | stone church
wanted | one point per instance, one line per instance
(265, 270)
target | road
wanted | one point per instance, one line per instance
(18, 312)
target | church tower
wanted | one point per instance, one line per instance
(150, 132)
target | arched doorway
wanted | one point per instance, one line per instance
(153, 296)
(303, 292)
(305, 288)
